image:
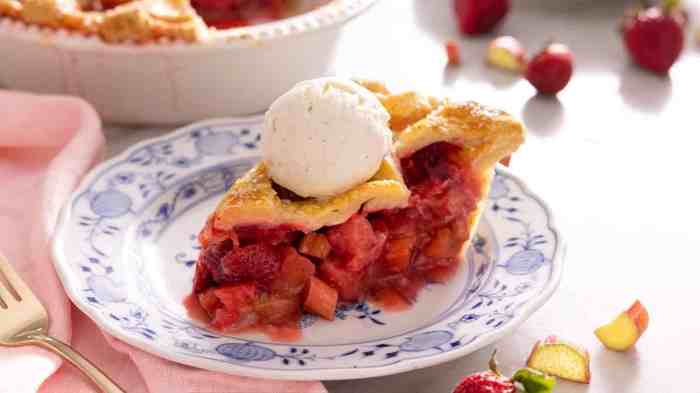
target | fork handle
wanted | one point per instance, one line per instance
(91, 371)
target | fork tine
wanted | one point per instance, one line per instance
(15, 281)
(6, 297)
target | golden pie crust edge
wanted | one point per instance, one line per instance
(139, 21)
(487, 136)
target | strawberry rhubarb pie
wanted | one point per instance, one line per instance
(361, 194)
(145, 21)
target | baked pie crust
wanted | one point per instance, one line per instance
(385, 238)
(138, 21)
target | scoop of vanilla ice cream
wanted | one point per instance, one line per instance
(325, 136)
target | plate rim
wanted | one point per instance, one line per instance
(328, 374)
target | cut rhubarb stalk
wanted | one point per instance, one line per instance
(321, 299)
(562, 359)
(315, 245)
(623, 333)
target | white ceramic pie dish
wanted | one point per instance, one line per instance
(238, 71)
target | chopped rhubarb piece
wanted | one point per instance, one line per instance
(315, 245)
(209, 301)
(224, 318)
(390, 299)
(236, 296)
(350, 285)
(398, 253)
(460, 229)
(237, 301)
(294, 273)
(441, 245)
(347, 237)
(211, 257)
(276, 310)
(441, 274)
(321, 299)
(399, 224)
(256, 262)
(453, 56)
(212, 235)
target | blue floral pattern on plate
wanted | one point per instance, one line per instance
(126, 249)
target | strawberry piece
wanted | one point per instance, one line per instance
(551, 69)
(236, 301)
(480, 16)
(397, 224)
(215, 4)
(351, 235)
(224, 318)
(257, 262)
(235, 296)
(350, 285)
(209, 301)
(654, 38)
(227, 23)
(485, 382)
(294, 273)
(276, 235)
(356, 242)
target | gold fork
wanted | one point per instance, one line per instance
(23, 321)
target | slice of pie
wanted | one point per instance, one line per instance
(269, 255)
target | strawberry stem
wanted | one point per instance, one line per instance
(670, 5)
(493, 363)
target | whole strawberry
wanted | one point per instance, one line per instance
(525, 380)
(654, 36)
(551, 69)
(480, 16)
(485, 382)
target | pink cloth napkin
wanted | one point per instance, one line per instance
(47, 143)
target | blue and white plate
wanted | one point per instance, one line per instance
(126, 248)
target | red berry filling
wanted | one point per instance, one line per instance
(262, 276)
(225, 14)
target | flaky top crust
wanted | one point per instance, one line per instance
(137, 21)
(486, 135)
(252, 200)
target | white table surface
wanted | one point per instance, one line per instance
(615, 156)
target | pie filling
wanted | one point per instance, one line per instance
(225, 14)
(266, 277)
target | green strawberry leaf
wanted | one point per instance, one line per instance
(534, 381)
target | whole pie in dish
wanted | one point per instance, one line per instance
(269, 255)
(149, 20)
